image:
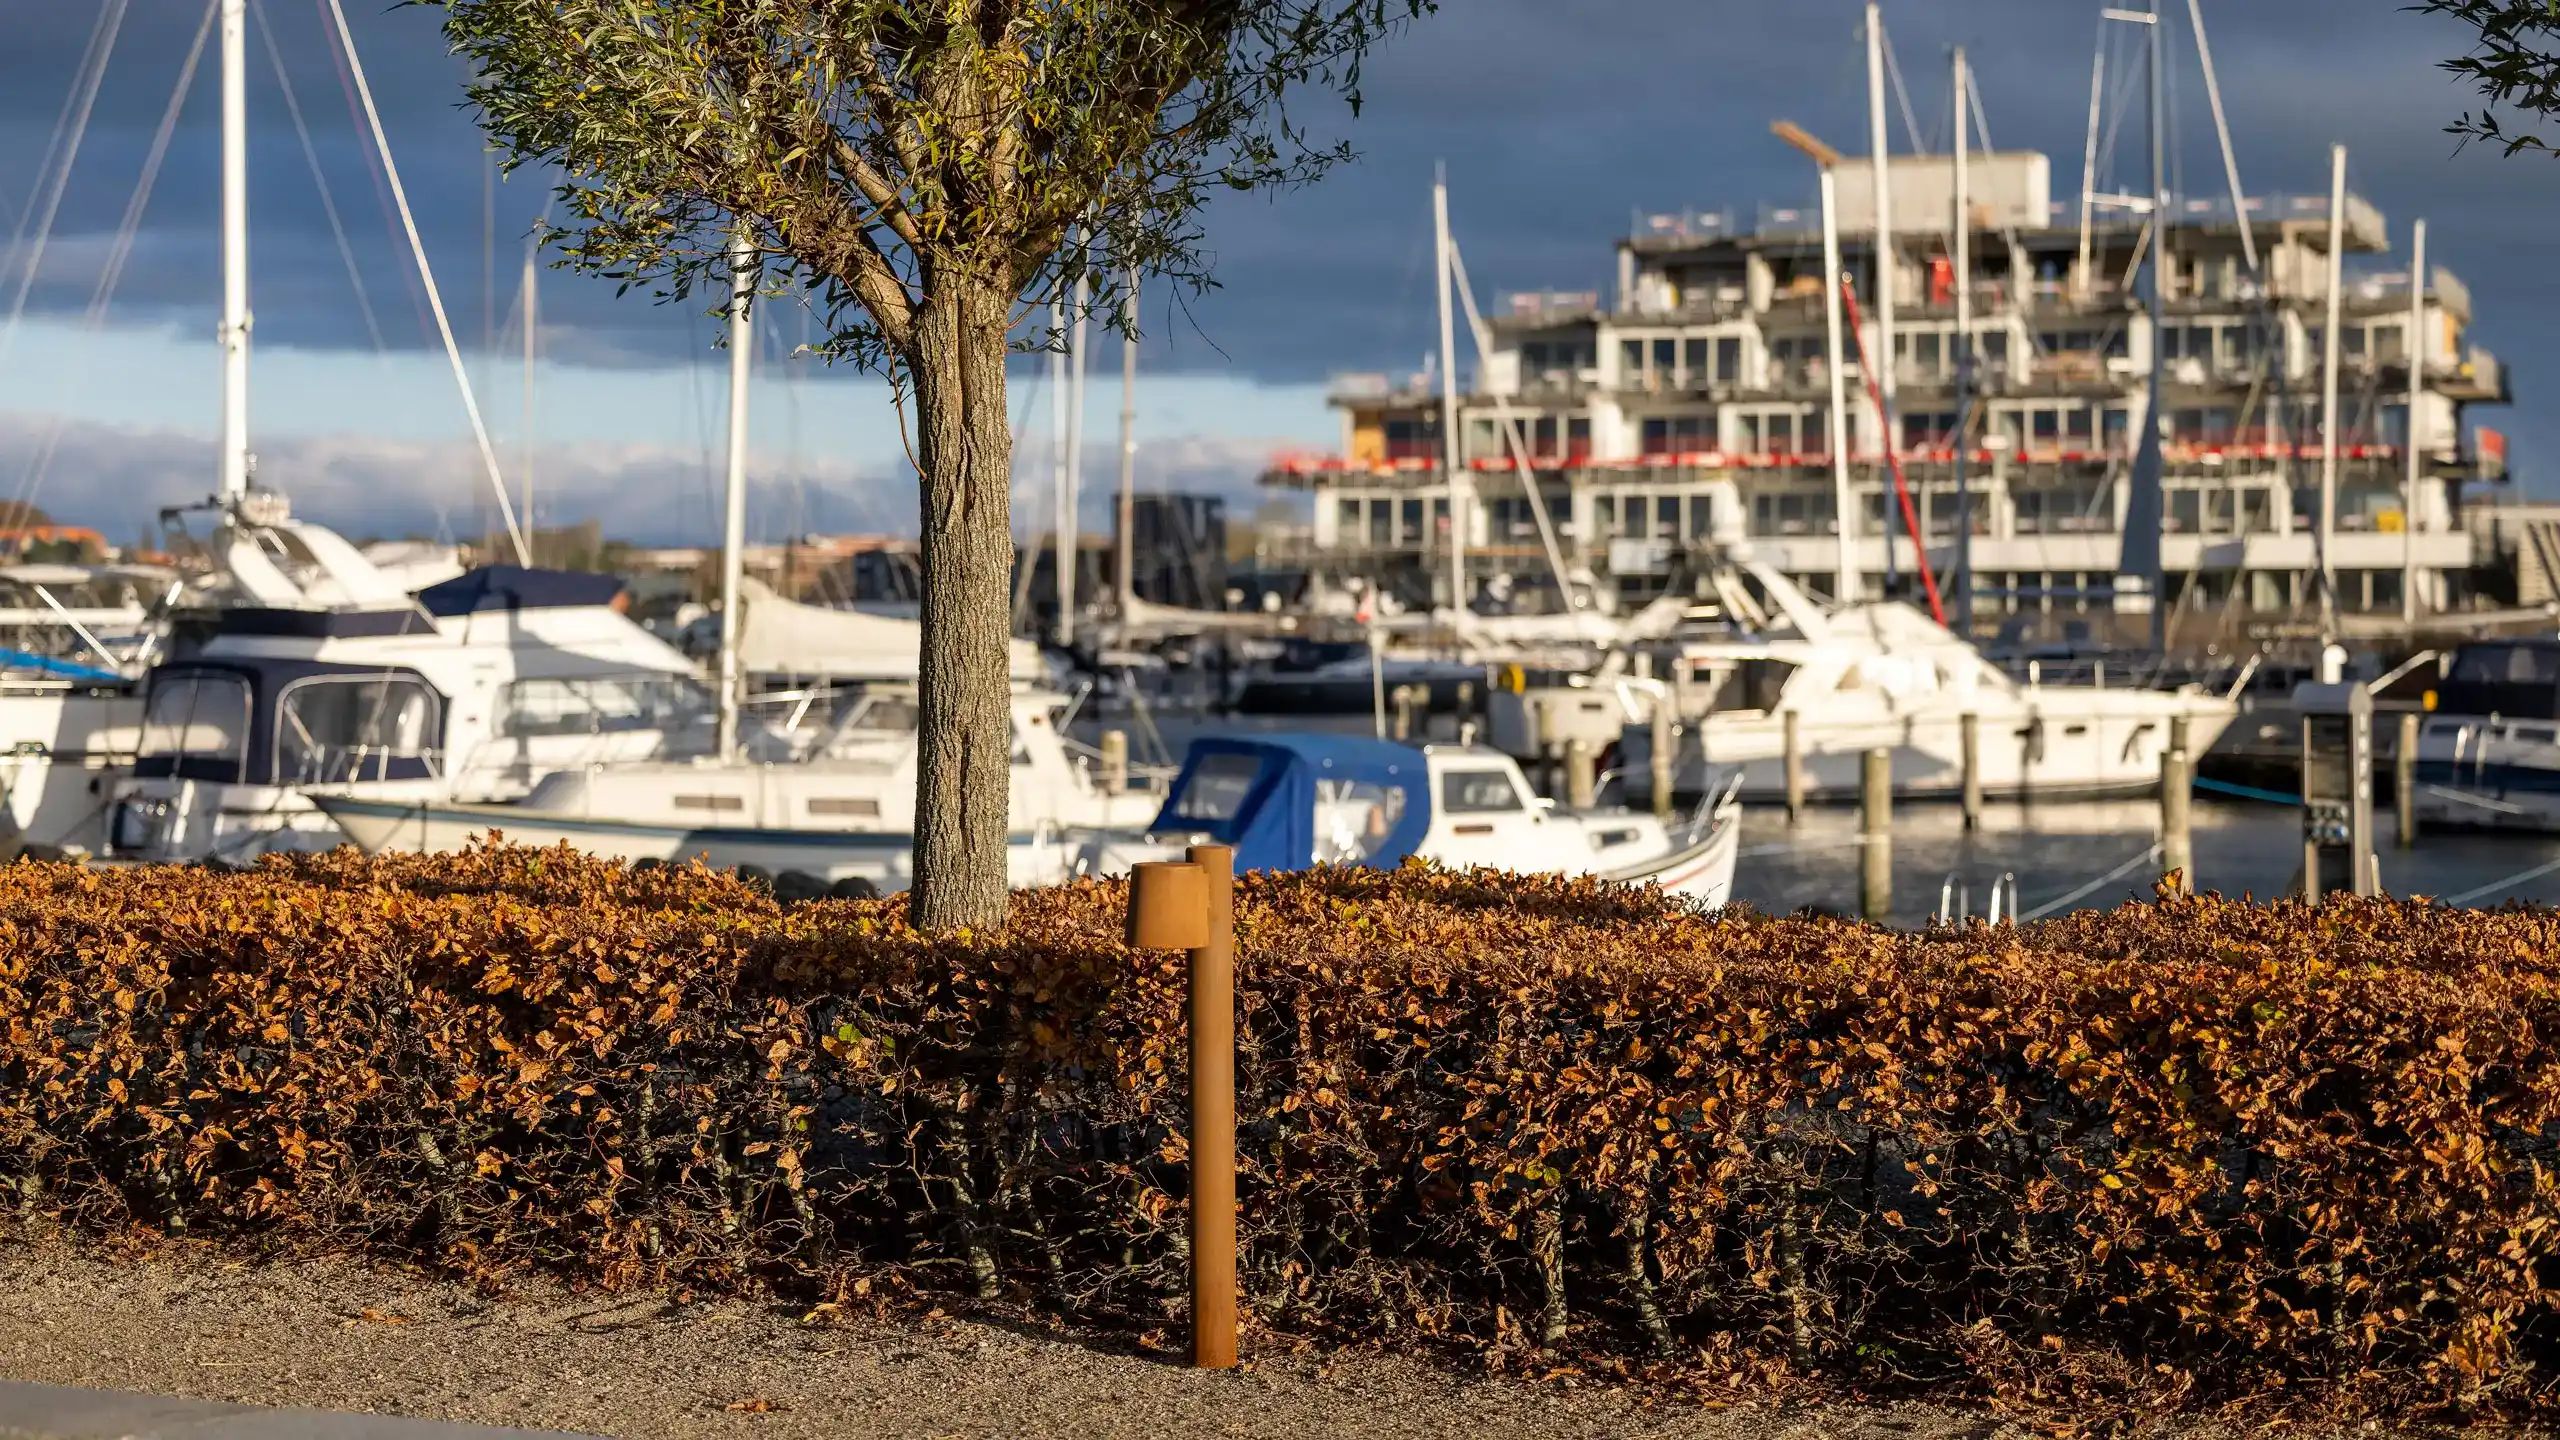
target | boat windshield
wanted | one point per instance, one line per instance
(596, 704)
(195, 726)
(881, 715)
(1354, 819)
(1216, 789)
(331, 731)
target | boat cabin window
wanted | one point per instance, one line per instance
(1217, 787)
(2517, 679)
(331, 731)
(2506, 665)
(594, 704)
(195, 727)
(1478, 792)
(883, 715)
(1754, 685)
(1354, 819)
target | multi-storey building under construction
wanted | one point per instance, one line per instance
(1689, 410)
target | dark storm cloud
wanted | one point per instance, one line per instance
(1556, 122)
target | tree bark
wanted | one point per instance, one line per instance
(964, 456)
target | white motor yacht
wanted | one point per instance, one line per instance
(474, 691)
(1885, 676)
(846, 814)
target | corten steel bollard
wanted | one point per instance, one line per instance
(1188, 906)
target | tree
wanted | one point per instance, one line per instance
(918, 169)
(2515, 65)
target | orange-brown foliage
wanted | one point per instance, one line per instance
(2188, 1150)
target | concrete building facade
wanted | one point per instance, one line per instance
(1689, 409)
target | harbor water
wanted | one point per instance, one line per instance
(2053, 849)
(2241, 848)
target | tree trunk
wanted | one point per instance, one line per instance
(964, 452)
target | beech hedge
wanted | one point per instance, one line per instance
(2194, 1151)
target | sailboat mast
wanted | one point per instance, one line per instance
(733, 524)
(1844, 585)
(1963, 258)
(235, 249)
(2148, 503)
(1059, 515)
(2329, 390)
(2409, 431)
(532, 323)
(1449, 402)
(1125, 563)
(1885, 356)
(1067, 497)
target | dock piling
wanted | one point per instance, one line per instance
(2177, 795)
(1972, 737)
(1875, 835)
(1665, 756)
(1115, 762)
(1581, 777)
(1795, 768)
(2404, 781)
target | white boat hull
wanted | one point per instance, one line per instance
(2488, 773)
(61, 754)
(885, 860)
(2085, 751)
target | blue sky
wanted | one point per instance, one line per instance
(1556, 121)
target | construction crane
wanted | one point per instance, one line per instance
(1796, 135)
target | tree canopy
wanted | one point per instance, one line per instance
(2515, 64)
(875, 143)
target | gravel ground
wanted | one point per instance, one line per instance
(336, 1335)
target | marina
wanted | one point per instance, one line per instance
(1954, 536)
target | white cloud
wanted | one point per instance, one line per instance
(115, 477)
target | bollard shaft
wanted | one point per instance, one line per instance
(1213, 1117)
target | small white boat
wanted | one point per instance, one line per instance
(2489, 752)
(1286, 802)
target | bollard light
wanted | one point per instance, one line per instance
(1188, 905)
(1168, 905)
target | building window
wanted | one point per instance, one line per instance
(1728, 359)
(1927, 430)
(1693, 362)
(1702, 516)
(1665, 357)
(1679, 434)
(1631, 364)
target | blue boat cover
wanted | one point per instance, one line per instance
(1260, 793)
(513, 587)
(61, 669)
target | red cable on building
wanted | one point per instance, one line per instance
(1892, 457)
